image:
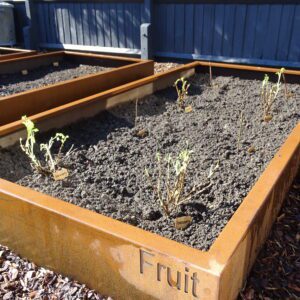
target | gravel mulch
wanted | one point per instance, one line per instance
(43, 76)
(160, 67)
(21, 279)
(276, 272)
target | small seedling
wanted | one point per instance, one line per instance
(51, 161)
(269, 94)
(182, 87)
(171, 176)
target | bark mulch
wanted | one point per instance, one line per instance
(276, 272)
(23, 280)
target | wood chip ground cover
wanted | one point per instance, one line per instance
(107, 166)
(43, 76)
(275, 274)
(21, 279)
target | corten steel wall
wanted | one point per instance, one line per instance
(261, 32)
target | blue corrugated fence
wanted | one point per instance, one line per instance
(256, 32)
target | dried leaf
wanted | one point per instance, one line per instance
(182, 223)
(60, 174)
(268, 118)
(251, 150)
(142, 133)
(188, 109)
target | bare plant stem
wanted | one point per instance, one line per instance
(210, 75)
(241, 121)
(286, 93)
(136, 112)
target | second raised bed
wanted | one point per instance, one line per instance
(12, 53)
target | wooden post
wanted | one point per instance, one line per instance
(30, 31)
(146, 31)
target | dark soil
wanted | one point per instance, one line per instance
(22, 279)
(43, 76)
(275, 274)
(107, 167)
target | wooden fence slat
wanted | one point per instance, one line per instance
(189, 28)
(121, 25)
(239, 30)
(179, 29)
(285, 32)
(228, 30)
(66, 23)
(219, 28)
(249, 39)
(99, 22)
(170, 22)
(198, 32)
(270, 41)
(208, 29)
(294, 48)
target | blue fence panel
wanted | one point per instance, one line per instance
(264, 33)
(256, 32)
(101, 24)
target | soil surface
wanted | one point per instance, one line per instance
(275, 274)
(107, 167)
(22, 279)
(43, 76)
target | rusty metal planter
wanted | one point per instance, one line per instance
(46, 59)
(127, 262)
(11, 53)
(41, 100)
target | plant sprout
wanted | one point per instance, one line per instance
(51, 161)
(269, 94)
(182, 87)
(171, 180)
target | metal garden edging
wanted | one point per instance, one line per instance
(11, 53)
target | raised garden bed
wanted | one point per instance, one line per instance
(44, 76)
(11, 53)
(43, 99)
(107, 169)
(44, 69)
